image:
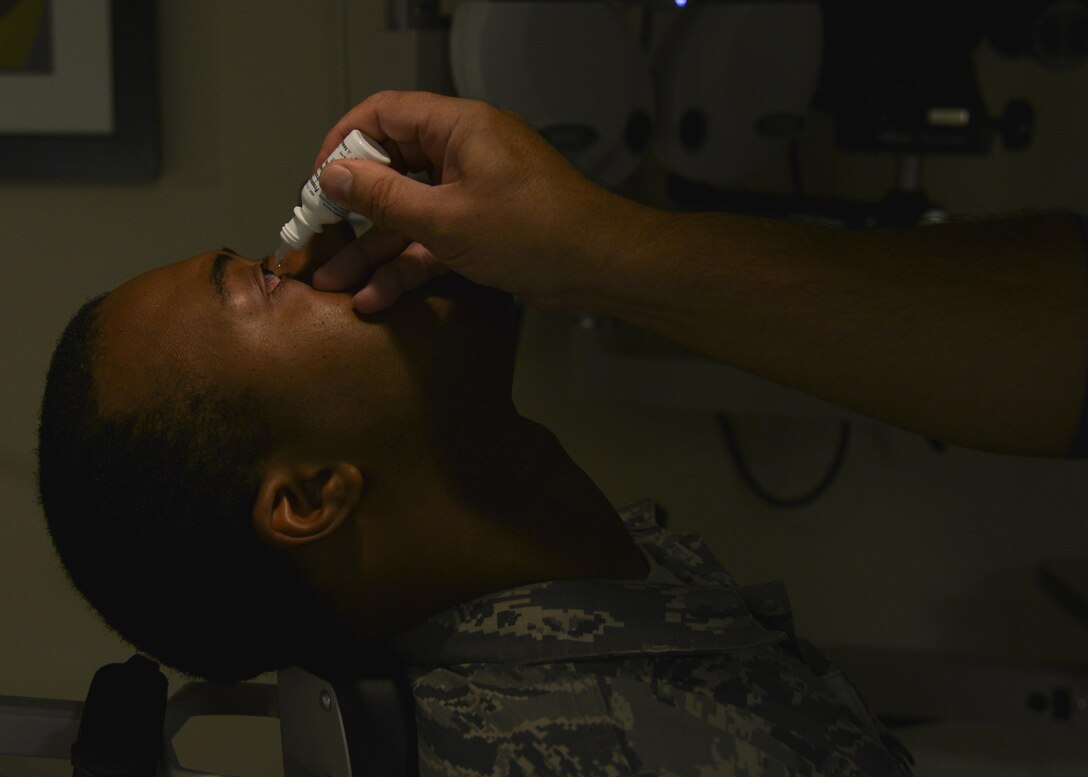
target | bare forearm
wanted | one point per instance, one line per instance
(973, 333)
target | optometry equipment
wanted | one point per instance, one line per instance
(713, 91)
(361, 727)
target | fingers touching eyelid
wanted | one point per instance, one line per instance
(408, 271)
(353, 263)
(342, 271)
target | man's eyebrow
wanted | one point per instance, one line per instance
(219, 269)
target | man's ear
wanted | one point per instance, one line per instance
(300, 503)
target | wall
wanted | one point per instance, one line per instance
(248, 90)
(909, 547)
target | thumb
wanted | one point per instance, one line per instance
(393, 201)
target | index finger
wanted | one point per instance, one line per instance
(418, 124)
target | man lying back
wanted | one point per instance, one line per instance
(240, 473)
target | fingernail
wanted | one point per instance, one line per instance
(336, 183)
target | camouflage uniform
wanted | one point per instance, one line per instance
(607, 677)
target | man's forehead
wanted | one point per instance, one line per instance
(151, 329)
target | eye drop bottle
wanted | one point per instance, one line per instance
(316, 210)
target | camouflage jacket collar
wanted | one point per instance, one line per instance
(569, 620)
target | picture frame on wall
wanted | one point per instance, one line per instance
(78, 90)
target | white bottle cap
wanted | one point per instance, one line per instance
(296, 232)
(363, 147)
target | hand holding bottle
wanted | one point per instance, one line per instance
(502, 207)
(929, 328)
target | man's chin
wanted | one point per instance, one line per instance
(450, 284)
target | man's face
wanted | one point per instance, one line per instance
(324, 373)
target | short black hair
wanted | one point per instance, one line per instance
(151, 515)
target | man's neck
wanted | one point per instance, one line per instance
(530, 494)
(510, 508)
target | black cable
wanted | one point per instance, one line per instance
(646, 27)
(785, 503)
(795, 169)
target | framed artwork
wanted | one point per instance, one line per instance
(78, 90)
